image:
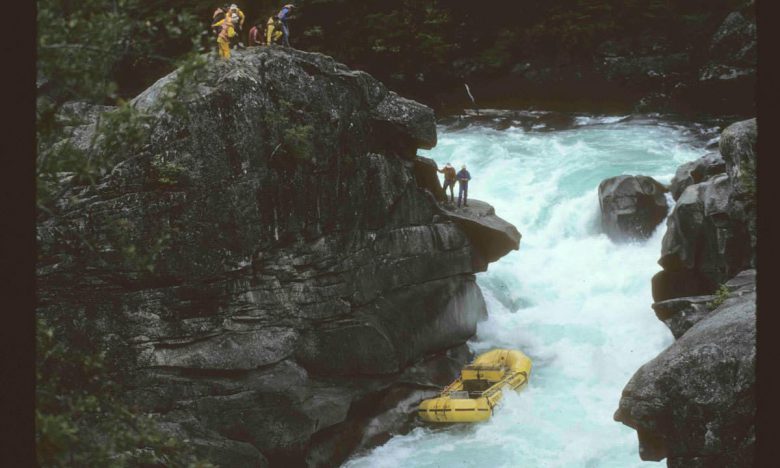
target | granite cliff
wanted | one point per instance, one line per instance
(301, 281)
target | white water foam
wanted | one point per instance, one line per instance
(573, 301)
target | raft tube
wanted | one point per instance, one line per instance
(474, 395)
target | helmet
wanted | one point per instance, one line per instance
(289, 5)
(233, 6)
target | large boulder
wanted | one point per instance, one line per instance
(270, 258)
(695, 403)
(631, 206)
(693, 172)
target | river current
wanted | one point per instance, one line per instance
(576, 303)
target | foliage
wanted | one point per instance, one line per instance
(287, 136)
(166, 173)
(85, 50)
(298, 141)
(190, 69)
(80, 419)
(418, 47)
(720, 296)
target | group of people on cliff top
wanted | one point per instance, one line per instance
(227, 22)
(463, 177)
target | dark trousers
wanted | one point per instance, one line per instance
(451, 185)
(463, 193)
(286, 32)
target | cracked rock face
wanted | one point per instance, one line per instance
(301, 261)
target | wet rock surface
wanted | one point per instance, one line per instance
(301, 263)
(631, 206)
(695, 403)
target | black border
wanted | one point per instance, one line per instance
(18, 236)
(17, 192)
(767, 321)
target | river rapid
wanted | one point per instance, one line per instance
(577, 304)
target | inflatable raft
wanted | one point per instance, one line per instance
(474, 395)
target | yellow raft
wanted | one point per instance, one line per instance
(479, 388)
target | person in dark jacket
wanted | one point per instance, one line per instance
(463, 183)
(449, 180)
(283, 14)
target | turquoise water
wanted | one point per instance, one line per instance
(572, 300)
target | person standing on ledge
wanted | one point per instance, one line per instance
(226, 32)
(463, 180)
(283, 14)
(449, 180)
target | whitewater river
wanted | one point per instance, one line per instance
(574, 302)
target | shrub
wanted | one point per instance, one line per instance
(720, 297)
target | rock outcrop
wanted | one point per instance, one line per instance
(693, 172)
(631, 206)
(695, 403)
(711, 233)
(272, 265)
(492, 236)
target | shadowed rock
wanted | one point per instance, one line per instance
(711, 233)
(694, 404)
(696, 171)
(682, 313)
(631, 206)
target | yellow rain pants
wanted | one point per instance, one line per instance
(272, 34)
(223, 40)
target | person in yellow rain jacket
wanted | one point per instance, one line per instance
(235, 9)
(273, 30)
(226, 32)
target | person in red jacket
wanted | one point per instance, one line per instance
(255, 35)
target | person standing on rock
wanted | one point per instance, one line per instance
(449, 180)
(283, 15)
(463, 180)
(238, 17)
(217, 16)
(226, 33)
